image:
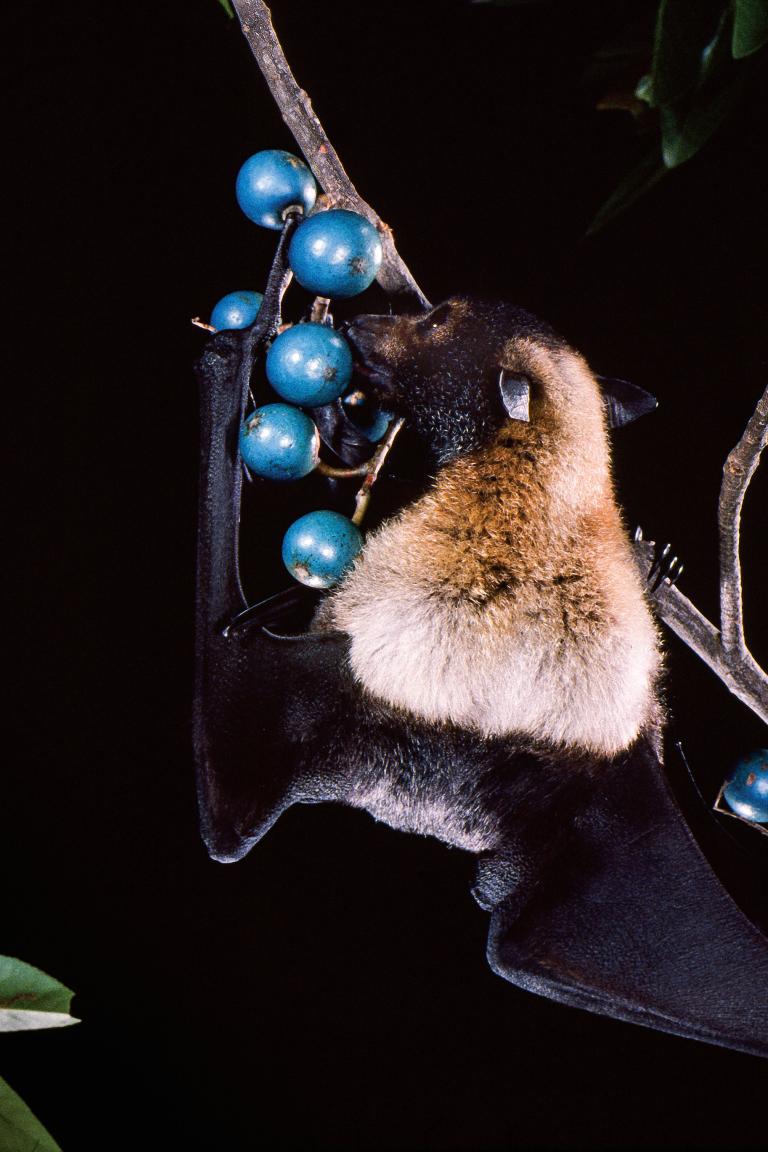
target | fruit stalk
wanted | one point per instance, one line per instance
(362, 499)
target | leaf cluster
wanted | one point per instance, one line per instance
(699, 69)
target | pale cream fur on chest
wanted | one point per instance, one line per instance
(507, 600)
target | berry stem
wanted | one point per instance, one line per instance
(363, 497)
(319, 313)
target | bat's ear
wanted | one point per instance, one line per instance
(624, 402)
(515, 392)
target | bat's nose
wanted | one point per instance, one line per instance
(369, 337)
(374, 322)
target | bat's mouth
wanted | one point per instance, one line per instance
(367, 335)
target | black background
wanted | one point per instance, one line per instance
(331, 990)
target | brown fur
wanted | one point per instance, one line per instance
(507, 597)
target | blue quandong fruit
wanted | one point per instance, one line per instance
(271, 181)
(335, 253)
(279, 442)
(236, 310)
(319, 548)
(746, 791)
(309, 364)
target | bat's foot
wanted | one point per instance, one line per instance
(665, 568)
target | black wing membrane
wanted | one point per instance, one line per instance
(635, 925)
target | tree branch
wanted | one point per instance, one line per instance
(725, 652)
(741, 674)
(297, 112)
(737, 473)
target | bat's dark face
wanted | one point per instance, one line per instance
(440, 369)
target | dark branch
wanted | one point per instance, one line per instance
(297, 112)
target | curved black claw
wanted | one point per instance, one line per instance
(665, 567)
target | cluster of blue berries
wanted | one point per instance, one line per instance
(335, 254)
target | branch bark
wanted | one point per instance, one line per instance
(297, 112)
(737, 473)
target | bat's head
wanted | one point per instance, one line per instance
(459, 372)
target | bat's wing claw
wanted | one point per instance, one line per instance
(282, 616)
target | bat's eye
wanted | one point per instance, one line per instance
(434, 319)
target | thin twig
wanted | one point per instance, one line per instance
(297, 112)
(737, 473)
(341, 473)
(363, 497)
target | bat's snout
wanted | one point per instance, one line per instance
(371, 338)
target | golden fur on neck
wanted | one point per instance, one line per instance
(506, 599)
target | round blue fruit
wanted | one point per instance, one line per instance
(335, 253)
(237, 310)
(320, 547)
(746, 792)
(309, 364)
(271, 181)
(279, 442)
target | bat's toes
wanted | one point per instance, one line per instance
(665, 568)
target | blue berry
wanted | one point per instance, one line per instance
(309, 364)
(746, 792)
(279, 442)
(318, 548)
(372, 421)
(237, 310)
(271, 181)
(335, 253)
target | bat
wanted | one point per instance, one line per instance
(487, 673)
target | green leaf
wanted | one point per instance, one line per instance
(644, 90)
(684, 29)
(30, 999)
(750, 27)
(640, 180)
(19, 1130)
(228, 8)
(682, 135)
(716, 59)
